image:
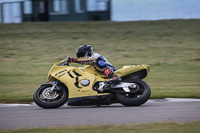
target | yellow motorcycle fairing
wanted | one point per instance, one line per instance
(120, 72)
(131, 69)
(72, 76)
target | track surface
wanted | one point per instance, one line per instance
(153, 111)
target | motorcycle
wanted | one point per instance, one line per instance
(84, 86)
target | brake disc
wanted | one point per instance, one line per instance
(47, 94)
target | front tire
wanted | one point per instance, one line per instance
(135, 99)
(47, 100)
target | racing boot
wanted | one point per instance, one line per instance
(114, 78)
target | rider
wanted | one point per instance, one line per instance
(85, 56)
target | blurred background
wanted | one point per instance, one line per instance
(34, 34)
(17, 11)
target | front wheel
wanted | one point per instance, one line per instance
(137, 96)
(46, 98)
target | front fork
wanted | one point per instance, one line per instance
(53, 88)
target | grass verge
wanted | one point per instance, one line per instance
(171, 47)
(192, 127)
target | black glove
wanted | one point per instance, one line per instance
(71, 59)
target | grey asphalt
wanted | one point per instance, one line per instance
(15, 117)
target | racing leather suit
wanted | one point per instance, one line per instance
(100, 63)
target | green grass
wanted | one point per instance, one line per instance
(192, 127)
(171, 47)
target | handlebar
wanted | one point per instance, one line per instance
(66, 63)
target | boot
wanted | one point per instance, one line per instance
(114, 78)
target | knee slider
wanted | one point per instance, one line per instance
(101, 64)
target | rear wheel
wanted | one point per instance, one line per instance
(44, 98)
(137, 96)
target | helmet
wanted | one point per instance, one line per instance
(84, 50)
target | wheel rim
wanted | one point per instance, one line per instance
(137, 92)
(45, 95)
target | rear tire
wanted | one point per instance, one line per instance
(61, 96)
(135, 99)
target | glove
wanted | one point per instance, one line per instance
(71, 59)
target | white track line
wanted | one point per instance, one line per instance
(182, 100)
(14, 105)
